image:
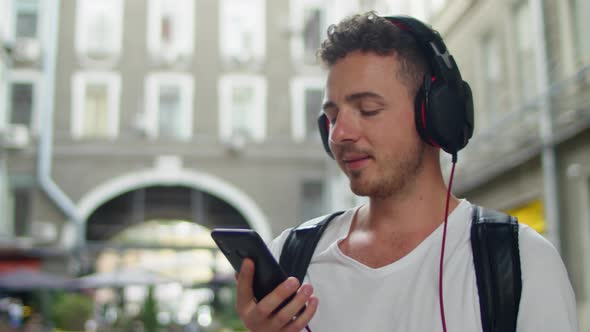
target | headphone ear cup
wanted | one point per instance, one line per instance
(469, 123)
(324, 128)
(445, 113)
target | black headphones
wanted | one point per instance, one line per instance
(443, 104)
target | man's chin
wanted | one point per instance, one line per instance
(360, 189)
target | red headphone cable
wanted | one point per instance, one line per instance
(442, 251)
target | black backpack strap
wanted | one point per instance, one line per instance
(494, 239)
(300, 245)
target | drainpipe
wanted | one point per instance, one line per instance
(548, 155)
(50, 39)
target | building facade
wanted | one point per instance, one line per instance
(118, 112)
(129, 111)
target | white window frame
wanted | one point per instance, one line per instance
(492, 114)
(3, 94)
(80, 81)
(35, 79)
(13, 23)
(323, 198)
(523, 91)
(579, 24)
(298, 114)
(297, 11)
(225, 87)
(6, 227)
(153, 82)
(184, 44)
(434, 7)
(226, 30)
(6, 21)
(84, 10)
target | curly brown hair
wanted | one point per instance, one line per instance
(369, 32)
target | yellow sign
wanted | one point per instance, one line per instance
(530, 214)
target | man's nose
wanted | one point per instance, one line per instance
(345, 129)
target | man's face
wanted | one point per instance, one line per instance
(372, 133)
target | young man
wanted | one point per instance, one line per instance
(376, 267)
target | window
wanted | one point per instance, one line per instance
(21, 210)
(95, 104)
(21, 99)
(18, 206)
(493, 78)
(242, 27)
(26, 19)
(310, 19)
(242, 100)
(581, 8)
(170, 29)
(313, 202)
(434, 7)
(96, 116)
(525, 51)
(169, 106)
(306, 102)
(99, 28)
(312, 32)
(23, 95)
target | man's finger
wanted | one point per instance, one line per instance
(294, 307)
(245, 294)
(303, 320)
(270, 302)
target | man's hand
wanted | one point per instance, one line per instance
(260, 317)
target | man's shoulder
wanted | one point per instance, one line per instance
(532, 242)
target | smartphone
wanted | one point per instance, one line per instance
(237, 244)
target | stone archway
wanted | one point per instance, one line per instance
(159, 202)
(192, 181)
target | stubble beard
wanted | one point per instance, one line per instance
(394, 176)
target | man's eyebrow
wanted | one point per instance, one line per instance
(353, 97)
(361, 95)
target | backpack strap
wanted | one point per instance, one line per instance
(300, 245)
(494, 240)
(496, 257)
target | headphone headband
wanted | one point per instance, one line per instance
(441, 62)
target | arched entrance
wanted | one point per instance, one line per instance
(120, 190)
(160, 203)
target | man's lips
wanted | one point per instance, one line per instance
(356, 162)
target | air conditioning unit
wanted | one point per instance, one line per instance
(15, 136)
(169, 56)
(140, 122)
(26, 50)
(237, 141)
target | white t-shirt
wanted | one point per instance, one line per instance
(403, 296)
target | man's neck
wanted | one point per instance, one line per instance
(420, 207)
(387, 229)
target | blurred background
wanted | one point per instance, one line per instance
(130, 128)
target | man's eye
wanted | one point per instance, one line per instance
(369, 112)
